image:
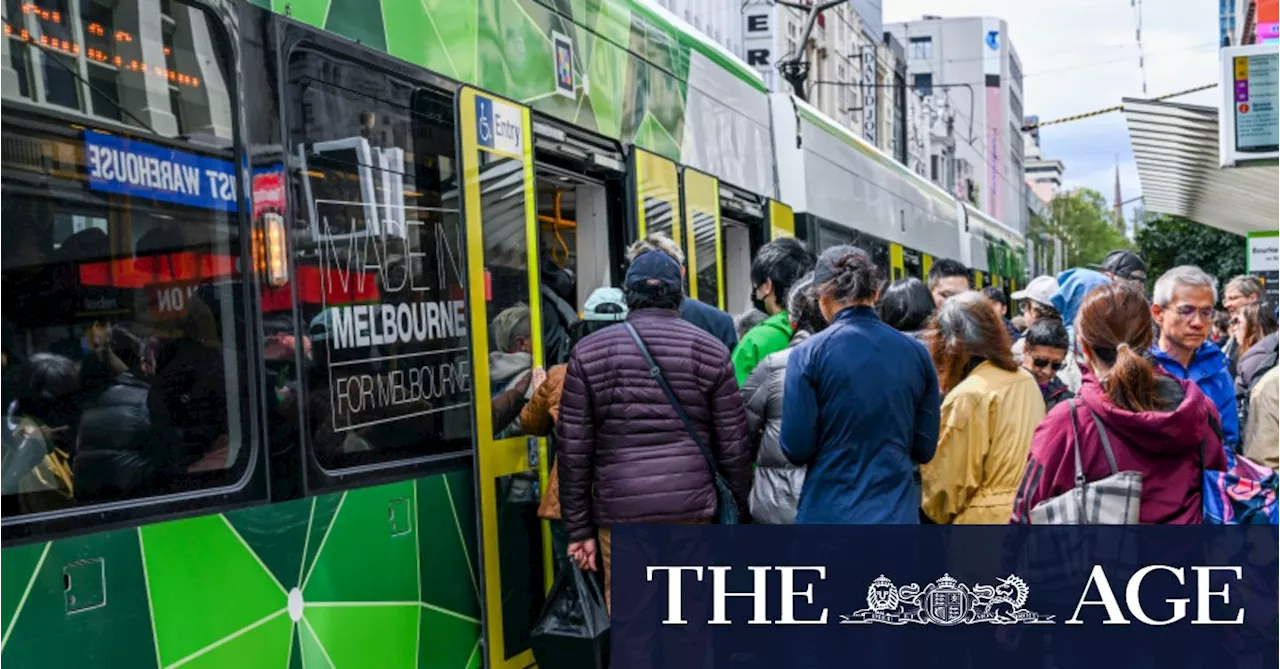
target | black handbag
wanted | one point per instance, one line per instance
(728, 505)
(573, 628)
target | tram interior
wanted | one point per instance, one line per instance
(736, 242)
(575, 236)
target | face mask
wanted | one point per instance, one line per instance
(758, 303)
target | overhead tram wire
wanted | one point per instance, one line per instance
(1116, 108)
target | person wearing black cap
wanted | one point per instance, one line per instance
(1125, 267)
(860, 404)
(625, 455)
(712, 320)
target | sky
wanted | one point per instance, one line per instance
(1082, 56)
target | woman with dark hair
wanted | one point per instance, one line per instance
(1250, 323)
(906, 306)
(989, 413)
(1157, 425)
(860, 404)
(1258, 353)
(775, 491)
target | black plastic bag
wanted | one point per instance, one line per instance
(573, 628)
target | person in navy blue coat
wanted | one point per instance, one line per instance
(861, 404)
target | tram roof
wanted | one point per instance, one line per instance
(1176, 148)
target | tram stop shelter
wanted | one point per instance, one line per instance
(1216, 165)
(1176, 149)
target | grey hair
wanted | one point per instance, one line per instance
(656, 242)
(1183, 275)
(955, 320)
(510, 324)
(796, 299)
(1245, 284)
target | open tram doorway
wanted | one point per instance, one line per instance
(579, 188)
(744, 229)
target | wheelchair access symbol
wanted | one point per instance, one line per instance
(499, 126)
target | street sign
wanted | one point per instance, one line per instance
(1249, 117)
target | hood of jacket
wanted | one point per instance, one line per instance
(1073, 285)
(1175, 431)
(799, 338)
(504, 367)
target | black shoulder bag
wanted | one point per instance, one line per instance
(728, 506)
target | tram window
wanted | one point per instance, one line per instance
(124, 341)
(104, 59)
(510, 355)
(379, 266)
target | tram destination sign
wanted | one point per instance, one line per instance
(141, 169)
(1249, 118)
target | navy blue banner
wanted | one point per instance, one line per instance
(945, 597)
(130, 167)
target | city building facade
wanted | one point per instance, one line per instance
(970, 70)
(857, 74)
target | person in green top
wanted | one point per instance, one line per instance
(777, 267)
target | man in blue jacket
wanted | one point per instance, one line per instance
(1183, 306)
(860, 404)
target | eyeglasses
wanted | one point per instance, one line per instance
(1187, 311)
(1041, 362)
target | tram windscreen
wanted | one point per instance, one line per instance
(123, 323)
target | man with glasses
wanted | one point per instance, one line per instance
(1183, 307)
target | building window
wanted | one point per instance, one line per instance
(933, 169)
(921, 48)
(923, 83)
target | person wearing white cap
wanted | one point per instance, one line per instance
(1037, 304)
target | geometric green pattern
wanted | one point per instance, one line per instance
(214, 591)
(631, 64)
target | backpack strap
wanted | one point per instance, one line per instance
(1075, 444)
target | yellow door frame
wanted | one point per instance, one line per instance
(496, 458)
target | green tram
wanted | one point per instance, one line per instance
(253, 254)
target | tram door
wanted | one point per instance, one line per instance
(897, 266)
(704, 245)
(496, 156)
(782, 220)
(656, 187)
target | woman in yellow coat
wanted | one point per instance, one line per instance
(990, 410)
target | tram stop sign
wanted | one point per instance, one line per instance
(1249, 116)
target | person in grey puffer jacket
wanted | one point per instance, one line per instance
(775, 491)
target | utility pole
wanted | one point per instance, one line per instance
(796, 69)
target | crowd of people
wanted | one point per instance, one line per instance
(851, 399)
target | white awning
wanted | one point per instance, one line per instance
(1176, 149)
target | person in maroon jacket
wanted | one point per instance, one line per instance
(624, 454)
(1158, 425)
